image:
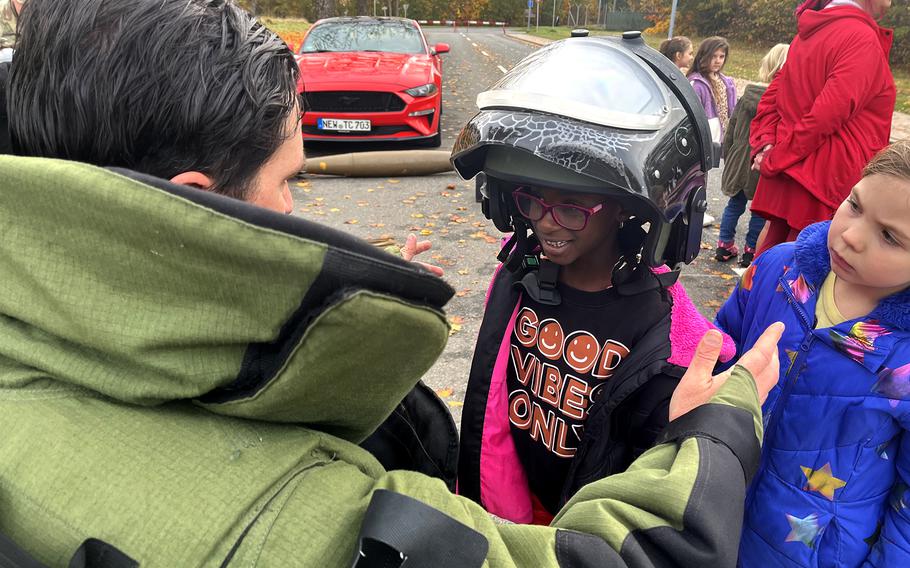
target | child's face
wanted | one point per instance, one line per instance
(717, 61)
(684, 58)
(869, 239)
(565, 247)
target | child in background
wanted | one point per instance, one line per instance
(739, 180)
(584, 333)
(678, 49)
(716, 91)
(832, 489)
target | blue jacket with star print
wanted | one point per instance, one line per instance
(832, 488)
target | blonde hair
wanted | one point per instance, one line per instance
(893, 160)
(772, 62)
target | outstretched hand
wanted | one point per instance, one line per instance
(698, 385)
(412, 247)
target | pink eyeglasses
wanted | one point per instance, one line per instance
(571, 217)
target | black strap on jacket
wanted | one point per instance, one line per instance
(721, 423)
(93, 553)
(400, 531)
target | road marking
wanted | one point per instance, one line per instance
(503, 69)
(466, 37)
(484, 53)
(474, 44)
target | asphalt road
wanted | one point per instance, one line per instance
(441, 207)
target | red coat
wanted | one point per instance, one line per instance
(827, 112)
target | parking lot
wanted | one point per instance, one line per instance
(441, 208)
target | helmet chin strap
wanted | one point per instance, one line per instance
(539, 277)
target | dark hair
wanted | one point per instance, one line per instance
(161, 87)
(705, 50)
(677, 44)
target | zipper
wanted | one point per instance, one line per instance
(795, 368)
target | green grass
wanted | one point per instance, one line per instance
(286, 25)
(742, 63)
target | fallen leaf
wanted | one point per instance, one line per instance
(456, 327)
(426, 232)
(445, 392)
(456, 319)
(334, 210)
(450, 186)
(462, 293)
(377, 225)
(464, 271)
(455, 403)
(393, 180)
(351, 222)
(417, 215)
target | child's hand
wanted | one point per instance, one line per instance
(760, 157)
(412, 248)
(698, 385)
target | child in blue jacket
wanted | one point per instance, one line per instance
(832, 486)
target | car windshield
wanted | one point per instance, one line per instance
(389, 36)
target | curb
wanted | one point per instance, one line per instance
(528, 39)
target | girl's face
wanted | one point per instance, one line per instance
(595, 243)
(869, 239)
(684, 58)
(718, 58)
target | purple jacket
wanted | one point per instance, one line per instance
(705, 95)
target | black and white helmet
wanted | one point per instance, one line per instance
(606, 116)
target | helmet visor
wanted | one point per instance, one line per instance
(586, 79)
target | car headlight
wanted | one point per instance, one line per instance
(423, 90)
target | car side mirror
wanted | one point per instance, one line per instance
(441, 48)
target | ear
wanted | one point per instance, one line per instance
(193, 179)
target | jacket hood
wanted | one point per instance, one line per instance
(148, 292)
(810, 20)
(815, 263)
(751, 96)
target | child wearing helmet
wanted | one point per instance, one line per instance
(595, 162)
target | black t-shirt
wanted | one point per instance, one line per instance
(560, 359)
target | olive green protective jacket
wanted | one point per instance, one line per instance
(186, 377)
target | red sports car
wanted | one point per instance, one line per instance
(370, 79)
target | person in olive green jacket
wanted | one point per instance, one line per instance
(739, 180)
(184, 376)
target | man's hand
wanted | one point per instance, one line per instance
(412, 247)
(698, 385)
(760, 157)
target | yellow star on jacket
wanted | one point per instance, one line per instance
(822, 480)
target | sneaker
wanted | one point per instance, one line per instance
(708, 220)
(725, 251)
(748, 256)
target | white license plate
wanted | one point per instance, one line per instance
(344, 125)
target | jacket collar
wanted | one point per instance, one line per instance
(815, 263)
